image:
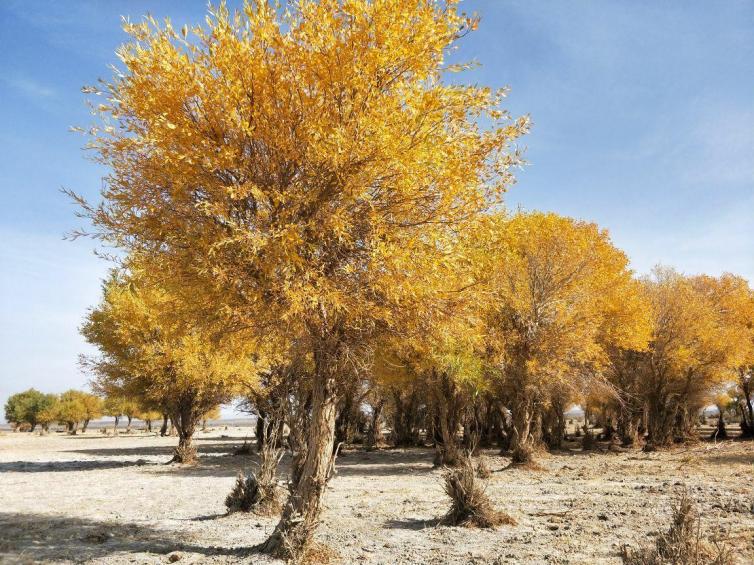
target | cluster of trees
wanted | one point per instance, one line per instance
(310, 218)
(75, 409)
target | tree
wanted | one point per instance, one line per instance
(557, 289)
(93, 407)
(150, 354)
(301, 172)
(25, 407)
(131, 409)
(734, 299)
(113, 407)
(690, 353)
(72, 409)
(149, 416)
(211, 414)
(49, 414)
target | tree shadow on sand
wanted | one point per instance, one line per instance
(41, 538)
(384, 463)
(153, 450)
(413, 524)
(62, 466)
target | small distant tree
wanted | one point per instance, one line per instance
(113, 407)
(72, 409)
(94, 409)
(131, 410)
(149, 416)
(48, 415)
(25, 407)
(694, 345)
(152, 354)
(211, 414)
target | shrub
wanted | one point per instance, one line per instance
(483, 470)
(683, 543)
(470, 505)
(249, 494)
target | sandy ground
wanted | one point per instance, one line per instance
(97, 499)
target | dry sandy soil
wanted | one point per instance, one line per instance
(97, 499)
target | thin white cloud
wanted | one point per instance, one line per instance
(31, 88)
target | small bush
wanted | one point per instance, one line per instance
(483, 470)
(470, 505)
(184, 454)
(682, 544)
(250, 495)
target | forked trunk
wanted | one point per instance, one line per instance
(295, 529)
(85, 426)
(184, 421)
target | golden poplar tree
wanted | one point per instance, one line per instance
(556, 288)
(299, 171)
(150, 354)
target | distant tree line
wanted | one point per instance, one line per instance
(75, 409)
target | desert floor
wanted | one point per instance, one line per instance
(98, 499)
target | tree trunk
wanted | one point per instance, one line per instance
(447, 403)
(149, 425)
(164, 428)
(522, 441)
(344, 421)
(374, 435)
(184, 421)
(628, 428)
(295, 530)
(85, 426)
(557, 424)
(404, 432)
(747, 411)
(661, 418)
(720, 432)
(115, 427)
(259, 430)
(128, 426)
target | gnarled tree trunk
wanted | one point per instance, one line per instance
(184, 422)
(522, 439)
(295, 529)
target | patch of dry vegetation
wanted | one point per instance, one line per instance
(470, 505)
(683, 543)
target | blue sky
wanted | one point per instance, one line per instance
(643, 121)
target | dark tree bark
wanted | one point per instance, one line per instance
(164, 428)
(374, 434)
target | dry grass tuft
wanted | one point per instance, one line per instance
(251, 495)
(683, 543)
(470, 505)
(185, 454)
(317, 553)
(483, 470)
